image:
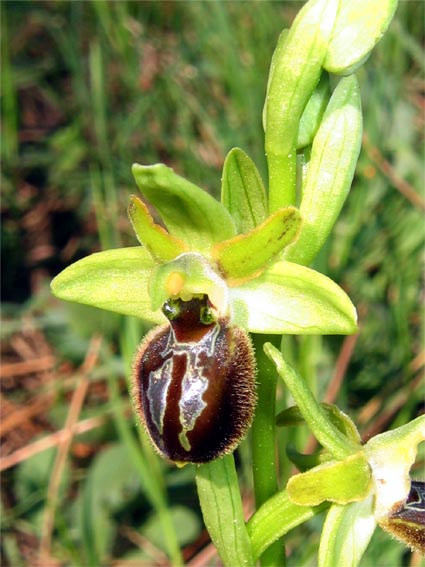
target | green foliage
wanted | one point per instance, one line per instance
(182, 83)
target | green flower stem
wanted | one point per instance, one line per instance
(264, 441)
(325, 432)
(221, 505)
(295, 71)
(282, 179)
(275, 518)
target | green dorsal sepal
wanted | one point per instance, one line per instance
(246, 255)
(186, 210)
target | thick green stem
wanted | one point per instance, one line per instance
(264, 442)
(282, 179)
(221, 505)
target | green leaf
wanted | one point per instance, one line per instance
(358, 28)
(313, 112)
(275, 518)
(337, 481)
(330, 171)
(161, 245)
(186, 524)
(116, 280)
(346, 534)
(291, 299)
(242, 191)
(295, 72)
(188, 212)
(221, 505)
(246, 254)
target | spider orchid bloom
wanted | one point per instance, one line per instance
(231, 252)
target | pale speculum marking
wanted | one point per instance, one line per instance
(159, 382)
(194, 382)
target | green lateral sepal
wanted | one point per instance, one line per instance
(246, 255)
(188, 212)
(292, 299)
(242, 191)
(161, 245)
(115, 280)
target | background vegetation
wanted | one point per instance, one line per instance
(90, 87)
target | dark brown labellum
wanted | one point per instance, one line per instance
(194, 382)
(407, 522)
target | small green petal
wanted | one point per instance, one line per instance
(242, 191)
(291, 299)
(246, 254)
(346, 534)
(161, 245)
(337, 481)
(188, 212)
(116, 280)
(359, 26)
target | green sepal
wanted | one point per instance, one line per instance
(275, 518)
(242, 191)
(291, 299)
(292, 416)
(245, 255)
(359, 26)
(161, 245)
(188, 275)
(346, 533)
(188, 212)
(313, 112)
(336, 481)
(330, 171)
(115, 280)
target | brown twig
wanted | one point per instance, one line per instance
(387, 169)
(40, 364)
(342, 363)
(63, 449)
